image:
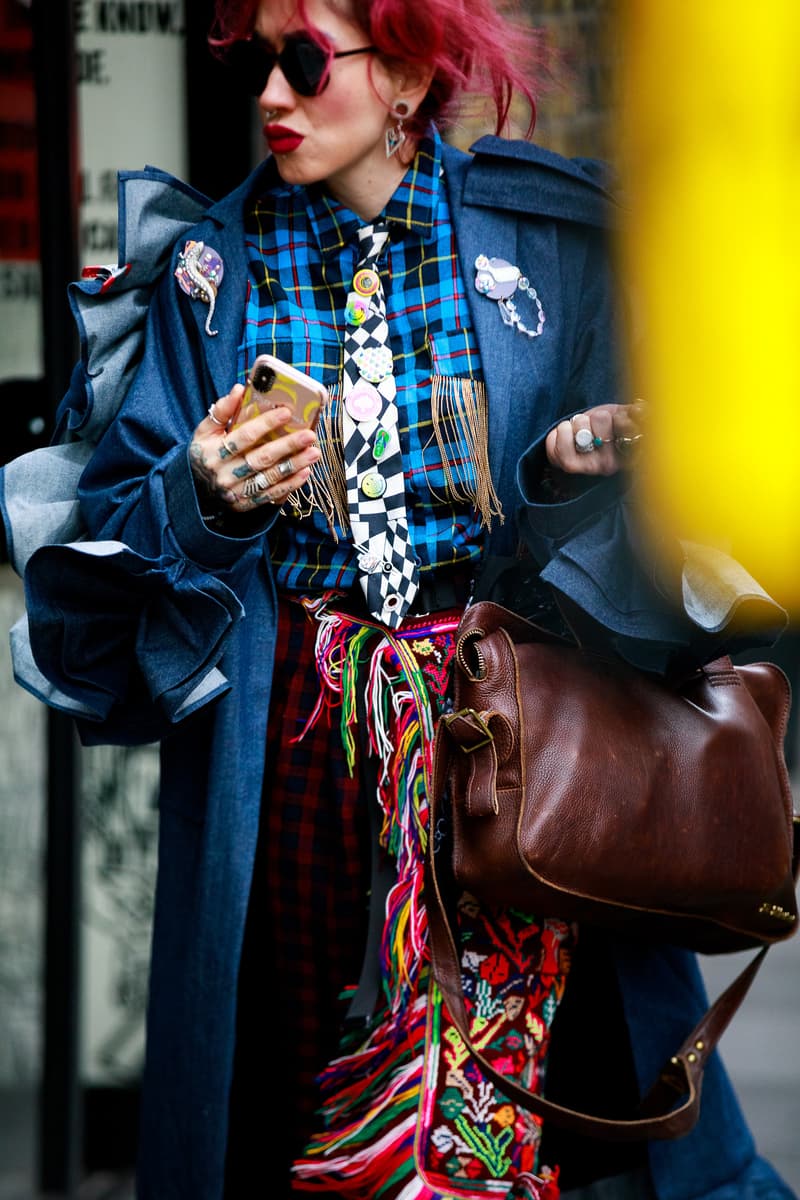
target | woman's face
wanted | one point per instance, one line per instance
(337, 137)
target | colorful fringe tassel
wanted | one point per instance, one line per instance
(373, 1094)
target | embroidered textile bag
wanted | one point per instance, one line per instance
(586, 789)
(439, 1128)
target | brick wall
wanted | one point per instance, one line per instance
(574, 117)
(574, 111)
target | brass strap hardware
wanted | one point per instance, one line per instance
(474, 718)
(776, 911)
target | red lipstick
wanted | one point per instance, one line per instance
(280, 139)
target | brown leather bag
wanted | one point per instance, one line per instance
(581, 788)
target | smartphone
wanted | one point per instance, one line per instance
(272, 383)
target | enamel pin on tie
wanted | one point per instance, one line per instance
(373, 460)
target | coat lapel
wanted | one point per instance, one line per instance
(221, 351)
(222, 231)
(505, 354)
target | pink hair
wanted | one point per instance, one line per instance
(472, 46)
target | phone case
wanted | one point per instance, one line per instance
(273, 383)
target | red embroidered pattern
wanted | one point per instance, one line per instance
(514, 970)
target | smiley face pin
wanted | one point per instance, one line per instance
(357, 309)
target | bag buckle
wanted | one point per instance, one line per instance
(473, 718)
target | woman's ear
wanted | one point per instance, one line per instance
(411, 83)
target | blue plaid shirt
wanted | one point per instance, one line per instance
(302, 252)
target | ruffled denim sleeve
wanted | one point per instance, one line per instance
(127, 638)
(122, 638)
(659, 612)
(39, 489)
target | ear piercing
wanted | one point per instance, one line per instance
(395, 134)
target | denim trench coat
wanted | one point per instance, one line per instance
(149, 625)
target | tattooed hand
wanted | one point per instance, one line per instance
(244, 469)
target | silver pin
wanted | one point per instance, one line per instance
(500, 280)
(199, 273)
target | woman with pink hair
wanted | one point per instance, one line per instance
(295, 588)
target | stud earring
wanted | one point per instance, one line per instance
(395, 134)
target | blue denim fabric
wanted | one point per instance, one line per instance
(758, 1181)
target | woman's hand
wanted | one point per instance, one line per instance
(246, 468)
(611, 432)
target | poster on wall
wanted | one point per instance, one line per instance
(131, 113)
(131, 105)
(20, 319)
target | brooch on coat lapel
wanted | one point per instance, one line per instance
(499, 280)
(199, 273)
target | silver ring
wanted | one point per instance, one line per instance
(259, 483)
(228, 449)
(584, 441)
(285, 468)
(214, 417)
(625, 445)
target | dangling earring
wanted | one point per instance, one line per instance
(396, 135)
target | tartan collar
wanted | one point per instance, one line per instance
(411, 210)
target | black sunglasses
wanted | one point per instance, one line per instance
(304, 62)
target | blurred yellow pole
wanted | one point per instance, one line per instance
(709, 145)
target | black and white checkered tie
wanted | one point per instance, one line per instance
(376, 497)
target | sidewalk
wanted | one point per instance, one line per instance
(761, 1049)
